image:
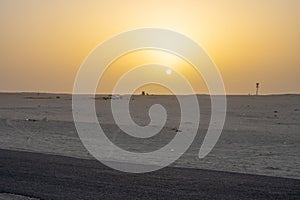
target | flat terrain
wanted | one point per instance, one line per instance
(57, 177)
(261, 134)
(42, 156)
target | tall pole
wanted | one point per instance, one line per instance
(257, 87)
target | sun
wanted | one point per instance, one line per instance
(168, 71)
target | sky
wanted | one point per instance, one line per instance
(43, 43)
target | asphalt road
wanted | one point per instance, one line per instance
(58, 177)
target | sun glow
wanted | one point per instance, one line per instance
(245, 45)
(168, 71)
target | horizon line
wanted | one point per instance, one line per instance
(138, 94)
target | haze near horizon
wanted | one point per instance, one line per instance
(43, 43)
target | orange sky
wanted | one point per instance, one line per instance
(43, 43)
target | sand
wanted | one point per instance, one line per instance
(42, 157)
(261, 134)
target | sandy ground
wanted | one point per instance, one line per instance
(261, 135)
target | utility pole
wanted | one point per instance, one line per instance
(257, 87)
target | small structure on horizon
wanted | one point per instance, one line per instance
(257, 87)
(143, 93)
(112, 97)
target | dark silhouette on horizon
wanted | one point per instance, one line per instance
(257, 87)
